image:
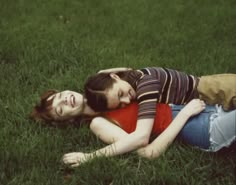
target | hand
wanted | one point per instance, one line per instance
(75, 159)
(194, 107)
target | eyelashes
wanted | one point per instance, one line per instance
(120, 94)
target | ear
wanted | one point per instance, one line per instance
(114, 76)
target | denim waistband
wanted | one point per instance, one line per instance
(196, 130)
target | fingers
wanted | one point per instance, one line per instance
(74, 165)
(194, 107)
(203, 104)
(200, 102)
(74, 159)
(70, 158)
(67, 157)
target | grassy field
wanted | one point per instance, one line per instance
(56, 44)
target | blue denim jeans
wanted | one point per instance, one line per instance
(211, 130)
(196, 130)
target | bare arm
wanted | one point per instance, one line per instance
(114, 70)
(162, 142)
(130, 142)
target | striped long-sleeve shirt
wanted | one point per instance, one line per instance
(161, 85)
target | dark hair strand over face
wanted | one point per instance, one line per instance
(96, 85)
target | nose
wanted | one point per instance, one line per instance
(125, 100)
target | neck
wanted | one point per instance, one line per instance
(88, 110)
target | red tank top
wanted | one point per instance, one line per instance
(127, 117)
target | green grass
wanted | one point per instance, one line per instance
(58, 43)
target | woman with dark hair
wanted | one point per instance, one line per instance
(110, 89)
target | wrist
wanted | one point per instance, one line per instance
(185, 114)
(89, 155)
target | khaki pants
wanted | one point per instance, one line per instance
(218, 89)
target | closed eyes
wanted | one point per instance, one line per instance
(120, 94)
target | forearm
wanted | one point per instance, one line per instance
(114, 70)
(122, 143)
(126, 143)
(161, 143)
(129, 143)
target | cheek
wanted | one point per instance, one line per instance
(113, 102)
(67, 112)
(125, 86)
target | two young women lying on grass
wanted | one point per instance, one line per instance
(207, 127)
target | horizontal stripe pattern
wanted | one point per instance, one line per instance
(162, 85)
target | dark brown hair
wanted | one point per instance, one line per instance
(96, 85)
(41, 112)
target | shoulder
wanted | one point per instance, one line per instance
(147, 81)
